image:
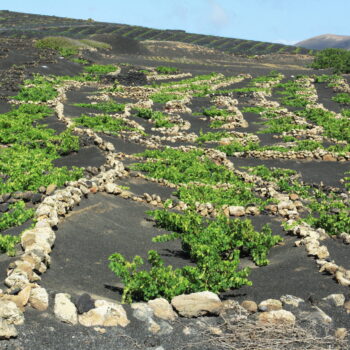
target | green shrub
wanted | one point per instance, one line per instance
(67, 46)
(100, 69)
(40, 93)
(166, 70)
(8, 243)
(343, 98)
(103, 123)
(162, 97)
(159, 119)
(107, 107)
(215, 246)
(336, 59)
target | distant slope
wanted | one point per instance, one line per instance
(16, 24)
(326, 41)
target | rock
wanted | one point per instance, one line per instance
(347, 306)
(39, 299)
(345, 237)
(4, 207)
(291, 300)
(341, 333)
(252, 210)
(162, 309)
(43, 210)
(10, 312)
(197, 304)
(64, 309)
(250, 306)
(271, 208)
(50, 189)
(342, 279)
(17, 279)
(293, 197)
(42, 236)
(110, 187)
(100, 330)
(21, 299)
(270, 305)
(277, 317)
(335, 299)
(7, 331)
(36, 198)
(215, 330)
(329, 158)
(153, 327)
(106, 314)
(236, 210)
(319, 316)
(84, 303)
(142, 311)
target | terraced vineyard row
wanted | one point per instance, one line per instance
(80, 29)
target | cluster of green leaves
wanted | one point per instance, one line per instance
(215, 246)
(187, 81)
(65, 46)
(42, 91)
(297, 145)
(27, 163)
(103, 123)
(347, 180)
(239, 193)
(79, 60)
(8, 244)
(183, 167)
(285, 179)
(330, 213)
(177, 90)
(336, 59)
(29, 168)
(18, 127)
(236, 146)
(254, 109)
(270, 174)
(166, 70)
(106, 107)
(343, 98)
(324, 78)
(338, 128)
(272, 76)
(290, 95)
(17, 215)
(215, 112)
(278, 124)
(159, 119)
(212, 136)
(69, 47)
(98, 69)
(163, 97)
(345, 112)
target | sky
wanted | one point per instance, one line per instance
(282, 21)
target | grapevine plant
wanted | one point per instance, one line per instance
(215, 246)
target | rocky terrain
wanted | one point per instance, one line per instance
(164, 195)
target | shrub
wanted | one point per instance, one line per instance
(215, 246)
(100, 69)
(166, 70)
(336, 59)
(68, 46)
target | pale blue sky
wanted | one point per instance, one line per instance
(286, 21)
